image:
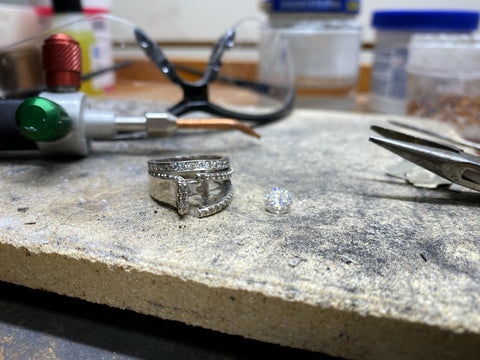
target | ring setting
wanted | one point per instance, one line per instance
(199, 184)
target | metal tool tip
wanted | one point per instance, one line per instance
(398, 147)
(375, 139)
(389, 144)
(214, 123)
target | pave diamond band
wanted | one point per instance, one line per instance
(183, 164)
(198, 183)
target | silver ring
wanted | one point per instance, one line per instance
(198, 183)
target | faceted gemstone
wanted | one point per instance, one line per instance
(278, 200)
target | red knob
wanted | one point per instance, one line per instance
(62, 63)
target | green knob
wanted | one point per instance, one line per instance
(40, 119)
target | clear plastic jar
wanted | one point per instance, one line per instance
(324, 39)
(389, 83)
(444, 80)
(395, 29)
(388, 94)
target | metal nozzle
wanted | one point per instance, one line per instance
(161, 124)
(155, 124)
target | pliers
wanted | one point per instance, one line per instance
(445, 160)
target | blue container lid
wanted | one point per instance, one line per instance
(426, 20)
(332, 6)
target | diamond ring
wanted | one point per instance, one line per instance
(198, 183)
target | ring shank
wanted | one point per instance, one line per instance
(163, 190)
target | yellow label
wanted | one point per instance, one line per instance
(86, 39)
(352, 6)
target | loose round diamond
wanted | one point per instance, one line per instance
(278, 200)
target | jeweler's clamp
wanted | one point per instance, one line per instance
(202, 181)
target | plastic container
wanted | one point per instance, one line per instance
(395, 29)
(324, 39)
(103, 56)
(444, 80)
(66, 12)
(20, 68)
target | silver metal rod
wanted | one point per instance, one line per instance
(130, 123)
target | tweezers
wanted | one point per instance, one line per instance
(444, 160)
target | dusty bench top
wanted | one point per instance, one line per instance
(363, 266)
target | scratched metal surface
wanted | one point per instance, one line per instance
(355, 240)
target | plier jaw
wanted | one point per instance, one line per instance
(444, 160)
